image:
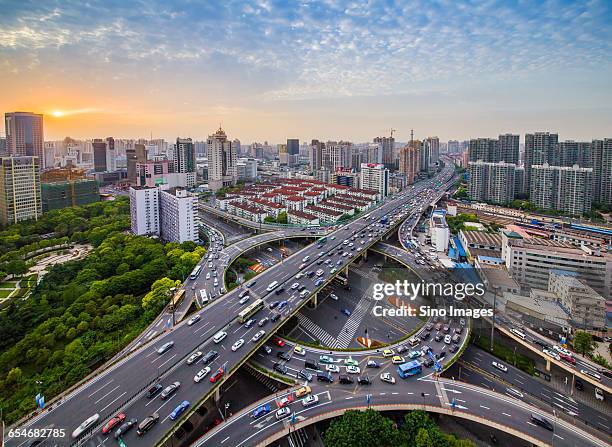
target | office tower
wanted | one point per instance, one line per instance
(337, 155)
(20, 197)
(539, 149)
(111, 155)
(222, 170)
(25, 135)
(144, 210)
(178, 213)
(356, 160)
(434, 144)
(237, 146)
(375, 177)
(492, 182)
(508, 148)
(247, 169)
(345, 177)
(3, 149)
(316, 155)
(453, 147)
(387, 146)
(135, 155)
(184, 161)
(409, 161)
(256, 151)
(293, 146)
(99, 154)
(375, 153)
(562, 188)
(602, 171)
(425, 156)
(152, 173)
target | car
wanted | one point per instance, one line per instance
(425, 335)
(414, 354)
(250, 322)
(438, 337)
(282, 305)
(295, 285)
(237, 344)
(351, 361)
(243, 294)
(562, 350)
(201, 374)
(302, 391)
(279, 342)
(345, 380)
(542, 422)
(310, 400)
(217, 375)
(500, 366)
(324, 376)
(154, 390)
(591, 373)
(209, 357)
(599, 394)
(263, 321)
(387, 378)
(353, 369)
(578, 384)
(170, 390)
(397, 359)
(125, 427)
(147, 423)
(438, 326)
(280, 368)
(275, 318)
(179, 410)
(258, 335)
(514, 392)
(388, 353)
(318, 282)
(552, 354)
(304, 374)
(112, 422)
(299, 350)
(287, 400)
(326, 359)
(282, 413)
(251, 284)
(372, 364)
(454, 348)
(194, 357)
(428, 362)
(331, 272)
(194, 319)
(401, 349)
(267, 349)
(299, 275)
(447, 339)
(567, 358)
(165, 347)
(364, 380)
(244, 300)
(332, 368)
(279, 290)
(284, 355)
(260, 411)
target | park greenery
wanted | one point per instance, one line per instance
(84, 311)
(456, 223)
(281, 218)
(370, 428)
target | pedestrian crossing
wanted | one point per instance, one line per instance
(352, 324)
(317, 331)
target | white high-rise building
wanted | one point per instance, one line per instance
(247, 169)
(375, 177)
(222, 158)
(184, 160)
(144, 210)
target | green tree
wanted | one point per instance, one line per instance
(363, 428)
(269, 220)
(583, 342)
(415, 421)
(282, 217)
(159, 294)
(423, 439)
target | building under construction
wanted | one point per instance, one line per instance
(61, 188)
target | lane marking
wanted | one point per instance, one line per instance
(107, 383)
(102, 398)
(113, 401)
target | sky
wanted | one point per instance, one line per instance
(271, 70)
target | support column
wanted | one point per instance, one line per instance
(217, 395)
(365, 255)
(547, 365)
(314, 301)
(346, 270)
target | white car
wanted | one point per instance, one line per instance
(299, 275)
(208, 275)
(201, 374)
(563, 350)
(387, 377)
(295, 285)
(552, 354)
(283, 413)
(514, 392)
(447, 339)
(500, 366)
(244, 300)
(194, 319)
(237, 345)
(332, 368)
(599, 395)
(333, 296)
(310, 400)
(87, 423)
(257, 336)
(353, 369)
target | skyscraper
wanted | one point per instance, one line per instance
(508, 148)
(20, 197)
(434, 144)
(293, 146)
(602, 171)
(539, 149)
(387, 145)
(409, 161)
(492, 182)
(222, 158)
(337, 155)
(25, 135)
(99, 154)
(316, 155)
(184, 160)
(374, 177)
(562, 188)
(134, 156)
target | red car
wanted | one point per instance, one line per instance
(288, 399)
(217, 375)
(113, 422)
(279, 342)
(567, 358)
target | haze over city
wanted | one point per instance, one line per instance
(268, 70)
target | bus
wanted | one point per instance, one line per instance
(322, 241)
(409, 369)
(176, 300)
(250, 310)
(195, 272)
(341, 279)
(203, 296)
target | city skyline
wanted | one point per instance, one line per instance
(329, 70)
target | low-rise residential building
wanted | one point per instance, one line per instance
(246, 211)
(324, 215)
(440, 234)
(296, 217)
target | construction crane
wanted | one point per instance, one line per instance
(391, 131)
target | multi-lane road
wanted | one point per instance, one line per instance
(123, 386)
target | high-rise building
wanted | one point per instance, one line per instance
(135, 155)
(316, 155)
(111, 155)
(337, 155)
(3, 149)
(375, 153)
(25, 135)
(434, 144)
(387, 145)
(356, 160)
(410, 159)
(374, 177)
(562, 188)
(237, 146)
(485, 149)
(293, 146)
(570, 153)
(540, 148)
(602, 171)
(453, 147)
(345, 177)
(67, 193)
(247, 169)
(152, 173)
(492, 182)
(144, 210)
(99, 154)
(184, 160)
(508, 148)
(222, 169)
(20, 197)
